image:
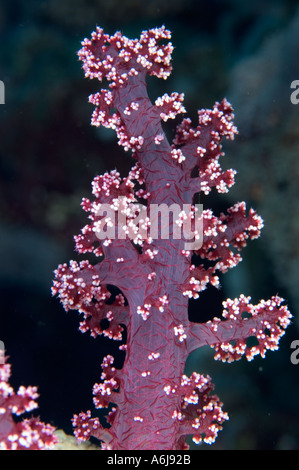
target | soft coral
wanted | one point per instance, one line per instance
(157, 405)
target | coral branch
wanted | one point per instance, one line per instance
(220, 236)
(265, 321)
(86, 427)
(202, 414)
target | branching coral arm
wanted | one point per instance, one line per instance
(266, 322)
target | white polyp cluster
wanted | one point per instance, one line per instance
(201, 151)
(29, 394)
(84, 425)
(109, 315)
(182, 218)
(192, 386)
(99, 224)
(151, 276)
(136, 142)
(163, 301)
(129, 143)
(106, 183)
(195, 287)
(170, 105)
(158, 139)
(180, 332)
(104, 389)
(142, 193)
(177, 155)
(146, 373)
(107, 242)
(186, 253)
(232, 307)
(213, 176)
(177, 415)
(133, 106)
(146, 64)
(138, 418)
(103, 95)
(144, 311)
(153, 356)
(136, 173)
(151, 253)
(168, 389)
(101, 116)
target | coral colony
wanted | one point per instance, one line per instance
(152, 404)
(27, 434)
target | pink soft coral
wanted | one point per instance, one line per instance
(27, 434)
(157, 405)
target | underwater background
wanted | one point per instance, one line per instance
(247, 52)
